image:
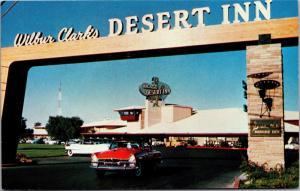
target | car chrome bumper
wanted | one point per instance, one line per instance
(114, 168)
(126, 166)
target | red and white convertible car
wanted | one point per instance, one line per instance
(126, 156)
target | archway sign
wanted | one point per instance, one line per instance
(70, 46)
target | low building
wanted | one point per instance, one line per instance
(96, 128)
(40, 132)
(171, 122)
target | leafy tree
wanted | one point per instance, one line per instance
(28, 133)
(23, 132)
(36, 124)
(64, 128)
(23, 125)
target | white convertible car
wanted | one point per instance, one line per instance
(86, 147)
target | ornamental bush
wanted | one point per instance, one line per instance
(259, 178)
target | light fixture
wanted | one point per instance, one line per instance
(265, 88)
(264, 39)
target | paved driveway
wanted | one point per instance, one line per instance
(74, 173)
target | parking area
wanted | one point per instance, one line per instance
(182, 169)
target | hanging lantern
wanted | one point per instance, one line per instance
(265, 88)
(262, 93)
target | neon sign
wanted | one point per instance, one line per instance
(155, 91)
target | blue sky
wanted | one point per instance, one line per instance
(92, 90)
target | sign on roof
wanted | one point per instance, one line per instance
(155, 91)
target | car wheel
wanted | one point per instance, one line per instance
(70, 153)
(139, 171)
(100, 173)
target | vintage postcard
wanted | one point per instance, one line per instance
(155, 95)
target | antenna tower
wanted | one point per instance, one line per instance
(59, 98)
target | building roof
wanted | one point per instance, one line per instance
(228, 121)
(290, 128)
(133, 107)
(291, 121)
(40, 131)
(213, 121)
(291, 115)
(106, 122)
(176, 105)
(132, 129)
(39, 127)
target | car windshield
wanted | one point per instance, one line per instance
(94, 141)
(124, 145)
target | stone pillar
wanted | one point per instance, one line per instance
(266, 133)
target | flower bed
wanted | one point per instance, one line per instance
(258, 177)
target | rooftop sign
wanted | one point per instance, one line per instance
(156, 90)
(152, 22)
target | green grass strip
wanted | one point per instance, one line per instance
(41, 150)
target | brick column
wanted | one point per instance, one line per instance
(265, 149)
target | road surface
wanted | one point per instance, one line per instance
(65, 173)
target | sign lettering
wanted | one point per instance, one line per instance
(68, 34)
(155, 91)
(134, 24)
(265, 127)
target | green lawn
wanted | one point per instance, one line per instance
(41, 150)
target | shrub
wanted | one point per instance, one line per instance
(258, 177)
(22, 158)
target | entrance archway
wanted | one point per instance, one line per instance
(16, 61)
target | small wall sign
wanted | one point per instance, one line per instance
(265, 127)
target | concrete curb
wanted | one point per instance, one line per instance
(9, 164)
